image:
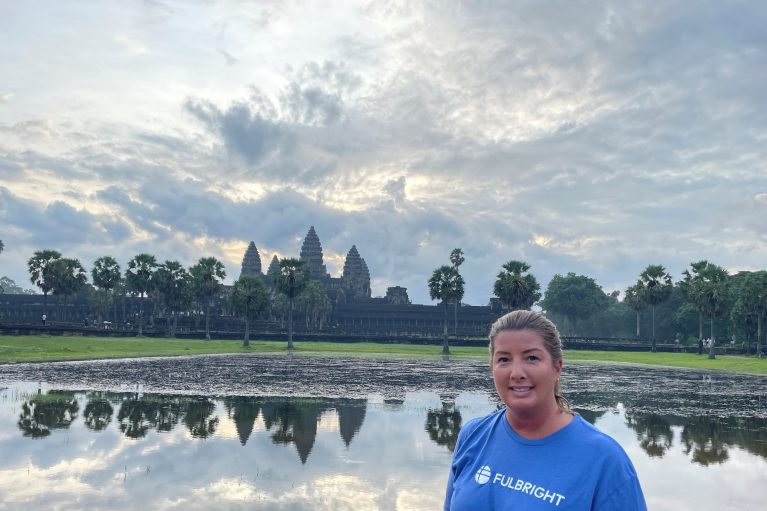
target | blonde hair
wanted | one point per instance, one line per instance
(541, 325)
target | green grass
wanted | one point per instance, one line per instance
(730, 363)
(44, 348)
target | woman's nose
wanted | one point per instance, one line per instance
(517, 371)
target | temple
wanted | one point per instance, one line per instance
(354, 308)
(352, 285)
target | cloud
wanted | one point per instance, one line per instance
(56, 225)
(594, 138)
(395, 188)
(246, 128)
(228, 58)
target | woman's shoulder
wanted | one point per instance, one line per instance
(595, 441)
(484, 423)
(587, 431)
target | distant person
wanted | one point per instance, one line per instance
(535, 453)
(44, 318)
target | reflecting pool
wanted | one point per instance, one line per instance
(288, 432)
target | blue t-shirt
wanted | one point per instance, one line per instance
(576, 468)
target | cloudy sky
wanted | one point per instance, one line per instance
(594, 137)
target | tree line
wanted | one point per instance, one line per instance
(731, 305)
(176, 290)
(705, 303)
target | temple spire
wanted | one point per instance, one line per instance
(311, 255)
(251, 262)
(356, 276)
(274, 266)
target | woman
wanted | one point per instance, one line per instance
(535, 453)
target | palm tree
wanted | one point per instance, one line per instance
(707, 288)
(692, 287)
(207, 276)
(715, 295)
(457, 259)
(516, 288)
(39, 266)
(754, 299)
(314, 302)
(290, 281)
(655, 289)
(445, 284)
(280, 308)
(173, 283)
(633, 299)
(106, 275)
(68, 277)
(138, 278)
(249, 299)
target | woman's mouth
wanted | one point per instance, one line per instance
(518, 390)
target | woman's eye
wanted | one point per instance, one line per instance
(532, 358)
(502, 359)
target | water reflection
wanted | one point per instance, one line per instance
(653, 432)
(444, 424)
(139, 414)
(44, 412)
(290, 420)
(98, 412)
(705, 439)
(388, 447)
(199, 417)
(244, 412)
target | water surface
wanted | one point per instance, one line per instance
(294, 432)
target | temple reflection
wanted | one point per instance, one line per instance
(351, 415)
(705, 440)
(243, 411)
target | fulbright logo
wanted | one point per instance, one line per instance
(483, 475)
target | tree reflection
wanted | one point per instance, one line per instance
(244, 412)
(589, 416)
(44, 412)
(136, 416)
(653, 432)
(168, 410)
(443, 425)
(705, 438)
(98, 412)
(750, 433)
(198, 417)
(139, 414)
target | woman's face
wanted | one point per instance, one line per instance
(524, 372)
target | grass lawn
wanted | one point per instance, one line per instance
(45, 348)
(730, 363)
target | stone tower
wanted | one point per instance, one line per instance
(356, 276)
(311, 255)
(251, 262)
(274, 266)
